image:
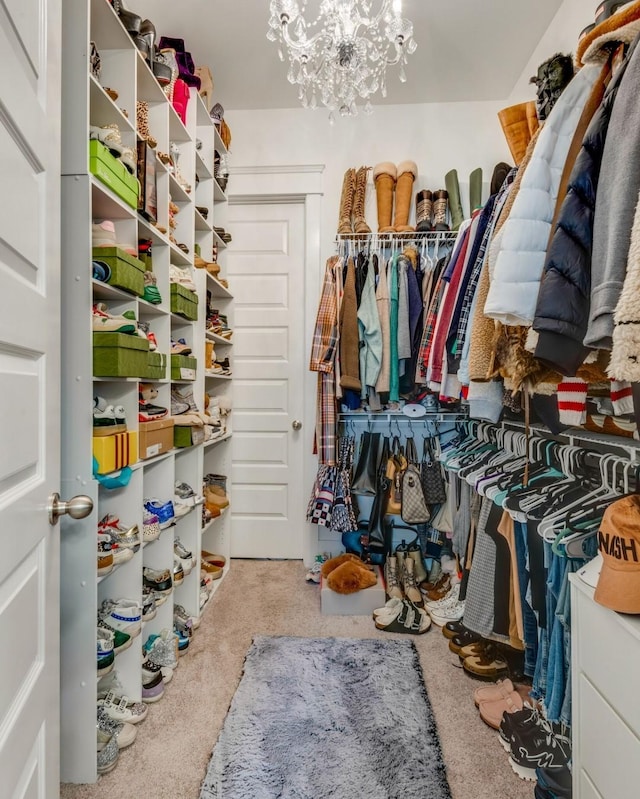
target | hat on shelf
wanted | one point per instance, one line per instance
(619, 544)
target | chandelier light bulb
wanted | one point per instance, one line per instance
(341, 56)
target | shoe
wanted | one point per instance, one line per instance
(100, 270)
(180, 347)
(453, 628)
(105, 555)
(405, 618)
(124, 615)
(452, 196)
(411, 590)
(462, 640)
(345, 214)
(384, 178)
(536, 745)
(121, 710)
(125, 734)
(178, 571)
(419, 571)
(360, 226)
(185, 622)
(181, 276)
(161, 649)
(121, 641)
(184, 555)
(216, 560)
(424, 208)
(150, 670)
(493, 712)
(440, 206)
(185, 494)
(106, 655)
(488, 665)
(148, 605)
(440, 589)
(183, 641)
(163, 510)
(150, 527)
(152, 688)
(313, 575)
(451, 595)
(452, 610)
(107, 751)
(500, 690)
(147, 412)
(103, 322)
(214, 495)
(555, 782)
(151, 293)
(125, 539)
(158, 581)
(406, 173)
(212, 571)
(107, 419)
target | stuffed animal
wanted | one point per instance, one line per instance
(347, 574)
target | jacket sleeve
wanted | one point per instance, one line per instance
(562, 310)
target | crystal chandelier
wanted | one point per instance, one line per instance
(342, 55)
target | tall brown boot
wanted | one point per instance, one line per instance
(345, 222)
(440, 205)
(516, 124)
(424, 209)
(359, 222)
(384, 176)
(407, 173)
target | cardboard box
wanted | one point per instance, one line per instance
(184, 302)
(156, 437)
(113, 173)
(127, 272)
(362, 603)
(115, 452)
(119, 355)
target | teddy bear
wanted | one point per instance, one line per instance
(347, 574)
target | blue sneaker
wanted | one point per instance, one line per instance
(164, 511)
(183, 641)
(100, 271)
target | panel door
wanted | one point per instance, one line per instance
(265, 263)
(29, 396)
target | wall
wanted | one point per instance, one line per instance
(438, 137)
(561, 37)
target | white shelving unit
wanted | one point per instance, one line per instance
(85, 199)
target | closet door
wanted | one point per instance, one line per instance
(266, 266)
(29, 397)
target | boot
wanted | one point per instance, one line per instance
(345, 223)
(475, 190)
(516, 121)
(411, 590)
(499, 176)
(455, 203)
(424, 209)
(440, 204)
(419, 570)
(359, 222)
(208, 355)
(407, 173)
(384, 177)
(391, 579)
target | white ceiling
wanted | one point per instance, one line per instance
(467, 49)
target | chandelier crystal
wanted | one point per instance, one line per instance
(342, 55)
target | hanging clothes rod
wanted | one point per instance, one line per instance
(383, 416)
(416, 235)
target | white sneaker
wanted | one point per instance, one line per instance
(452, 595)
(181, 276)
(103, 234)
(120, 709)
(452, 612)
(122, 614)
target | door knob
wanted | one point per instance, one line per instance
(78, 507)
(296, 424)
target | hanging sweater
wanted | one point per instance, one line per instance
(349, 346)
(520, 261)
(382, 303)
(370, 334)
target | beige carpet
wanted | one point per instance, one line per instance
(170, 756)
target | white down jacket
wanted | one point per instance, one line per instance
(525, 235)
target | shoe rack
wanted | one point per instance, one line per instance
(85, 199)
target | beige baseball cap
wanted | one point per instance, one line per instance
(619, 544)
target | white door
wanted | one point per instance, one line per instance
(266, 268)
(29, 397)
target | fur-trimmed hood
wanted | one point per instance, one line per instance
(620, 28)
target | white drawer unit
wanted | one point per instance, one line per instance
(606, 703)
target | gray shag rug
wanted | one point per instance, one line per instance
(328, 717)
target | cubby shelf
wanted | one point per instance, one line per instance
(85, 198)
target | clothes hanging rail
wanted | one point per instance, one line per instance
(442, 236)
(388, 416)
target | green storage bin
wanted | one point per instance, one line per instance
(127, 272)
(156, 368)
(184, 302)
(113, 173)
(119, 355)
(183, 367)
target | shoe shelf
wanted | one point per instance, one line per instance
(220, 145)
(217, 240)
(211, 376)
(218, 194)
(220, 340)
(85, 199)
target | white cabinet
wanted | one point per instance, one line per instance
(86, 199)
(605, 652)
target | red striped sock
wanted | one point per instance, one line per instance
(621, 397)
(572, 401)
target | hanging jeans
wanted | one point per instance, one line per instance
(528, 616)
